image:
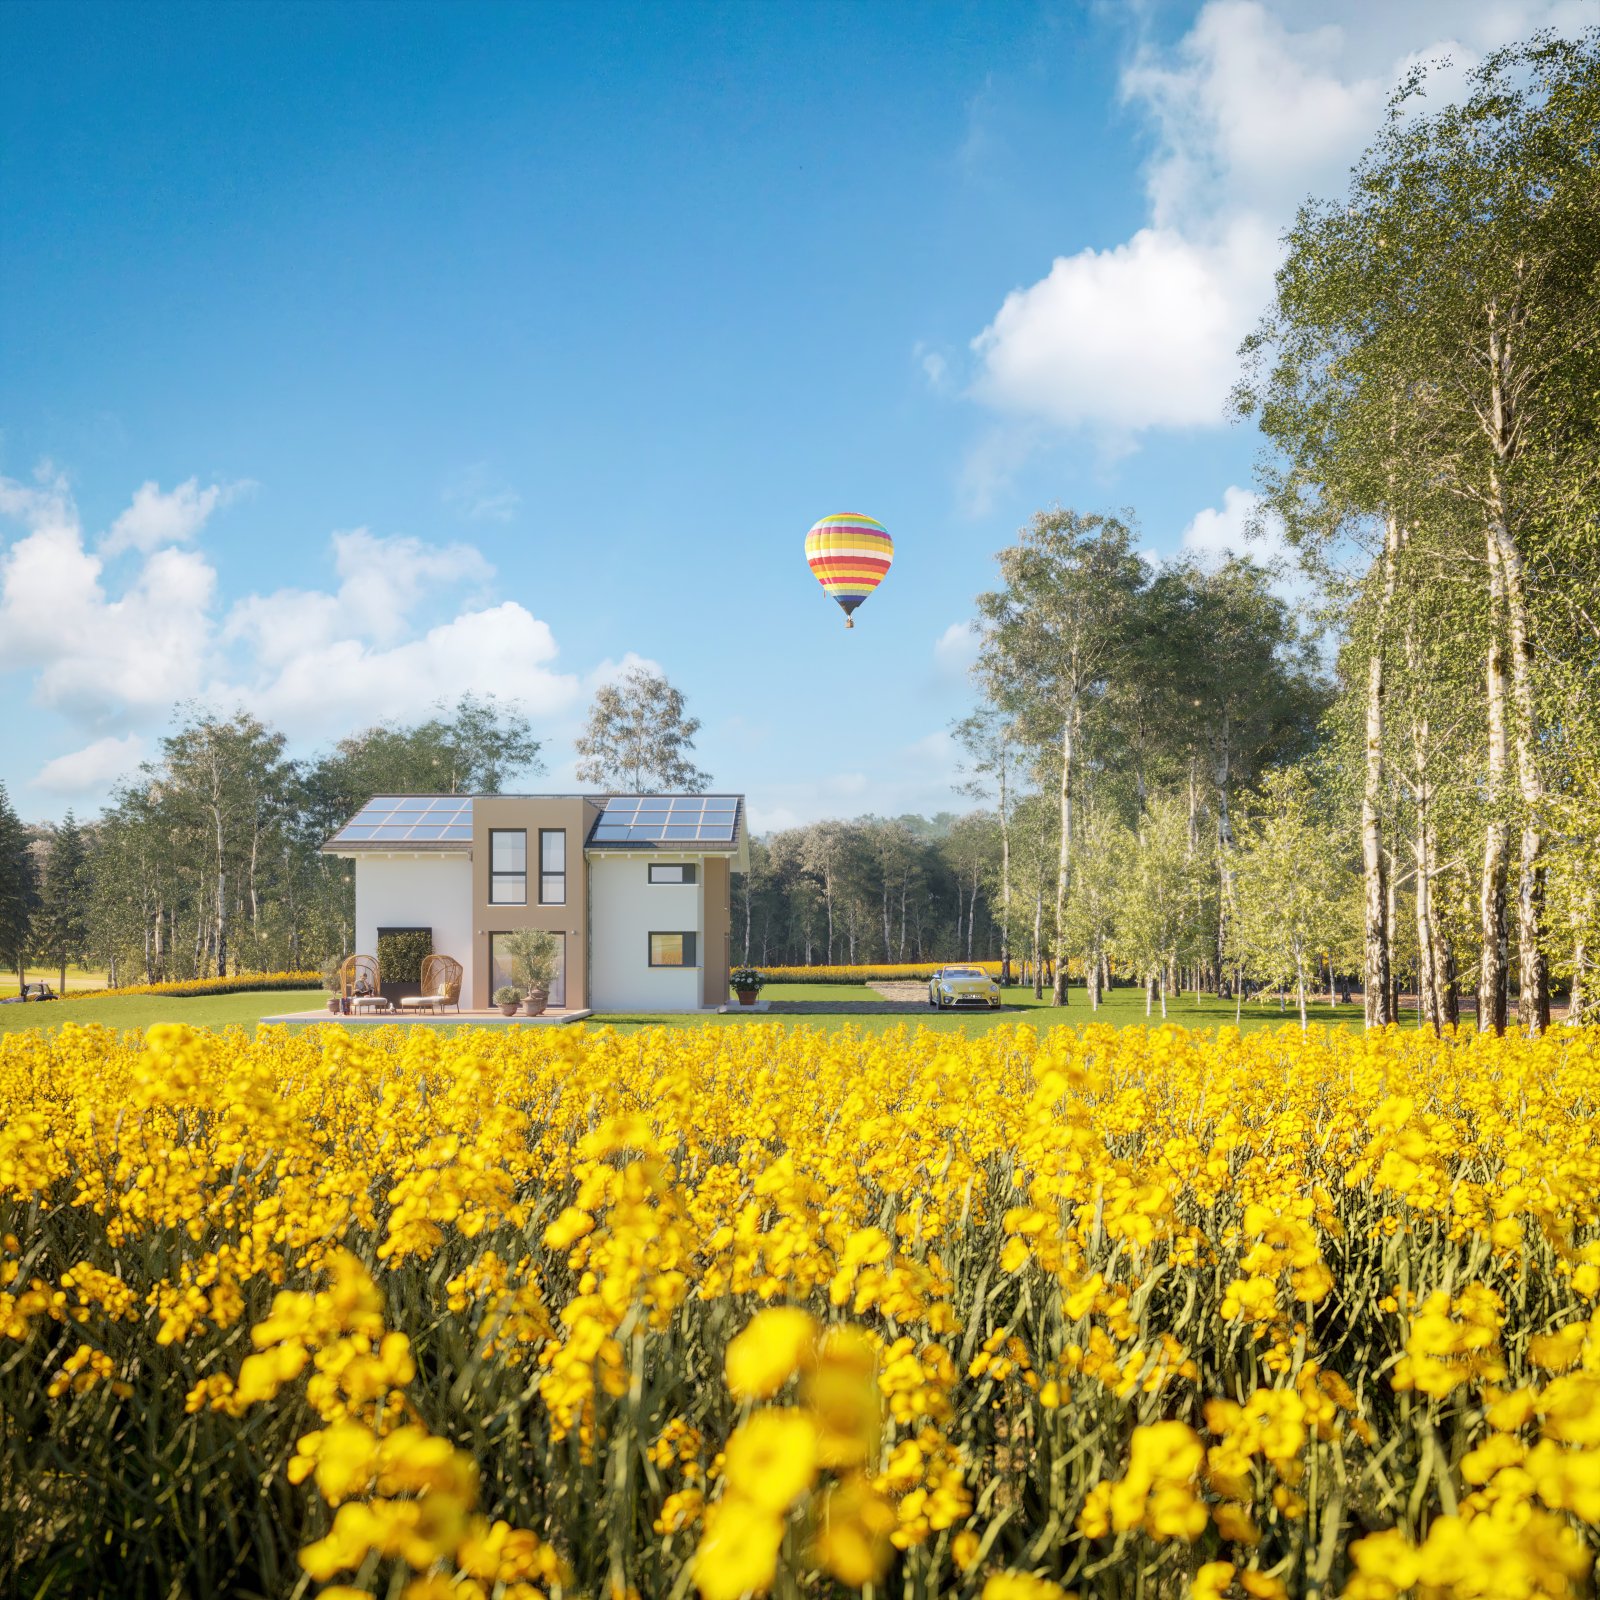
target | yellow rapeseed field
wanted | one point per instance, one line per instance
(727, 1311)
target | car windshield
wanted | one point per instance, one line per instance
(962, 972)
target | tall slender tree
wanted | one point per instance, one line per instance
(61, 926)
(1054, 633)
(19, 890)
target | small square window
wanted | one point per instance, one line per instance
(672, 950)
(671, 872)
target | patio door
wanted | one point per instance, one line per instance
(500, 968)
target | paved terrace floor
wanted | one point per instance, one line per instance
(551, 1016)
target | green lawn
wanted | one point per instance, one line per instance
(139, 1011)
(1121, 1007)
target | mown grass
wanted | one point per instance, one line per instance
(1122, 1008)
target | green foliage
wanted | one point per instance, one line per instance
(534, 953)
(639, 738)
(745, 978)
(508, 994)
(61, 925)
(401, 953)
(19, 890)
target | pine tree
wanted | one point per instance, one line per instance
(61, 927)
(18, 890)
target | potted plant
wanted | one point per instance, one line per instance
(508, 997)
(747, 982)
(534, 953)
(330, 981)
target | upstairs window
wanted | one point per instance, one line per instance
(668, 872)
(508, 866)
(552, 866)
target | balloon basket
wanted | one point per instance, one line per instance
(849, 622)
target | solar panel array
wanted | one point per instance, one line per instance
(410, 819)
(668, 818)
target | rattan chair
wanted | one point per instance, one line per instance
(441, 985)
(358, 979)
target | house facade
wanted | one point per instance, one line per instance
(636, 889)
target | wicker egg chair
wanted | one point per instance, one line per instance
(441, 985)
(358, 977)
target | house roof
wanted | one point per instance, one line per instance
(667, 822)
(681, 823)
(410, 822)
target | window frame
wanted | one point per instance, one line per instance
(544, 899)
(495, 875)
(690, 947)
(689, 869)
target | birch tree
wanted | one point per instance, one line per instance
(639, 738)
(1055, 631)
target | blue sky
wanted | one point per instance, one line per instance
(352, 355)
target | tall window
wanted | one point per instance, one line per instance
(672, 950)
(552, 866)
(508, 866)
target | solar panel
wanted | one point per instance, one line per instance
(668, 819)
(410, 819)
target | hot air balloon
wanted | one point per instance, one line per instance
(849, 554)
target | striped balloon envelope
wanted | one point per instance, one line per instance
(849, 554)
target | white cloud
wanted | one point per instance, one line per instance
(1255, 107)
(955, 650)
(156, 519)
(1139, 336)
(403, 624)
(476, 495)
(90, 770)
(1220, 531)
(1238, 528)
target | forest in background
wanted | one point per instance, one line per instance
(1175, 774)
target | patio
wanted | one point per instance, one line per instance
(551, 1016)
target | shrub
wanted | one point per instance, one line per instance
(400, 954)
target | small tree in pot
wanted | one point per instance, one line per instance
(508, 997)
(746, 982)
(534, 953)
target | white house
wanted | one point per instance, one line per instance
(635, 887)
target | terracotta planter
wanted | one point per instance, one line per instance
(747, 997)
(333, 1004)
(509, 1009)
(537, 999)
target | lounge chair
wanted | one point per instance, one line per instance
(358, 980)
(441, 985)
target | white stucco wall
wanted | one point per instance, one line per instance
(625, 908)
(432, 891)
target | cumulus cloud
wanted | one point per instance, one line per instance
(156, 519)
(91, 770)
(1257, 106)
(1139, 336)
(1237, 528)
(955, 650)
(401, 623)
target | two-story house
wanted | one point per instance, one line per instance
(636, 888)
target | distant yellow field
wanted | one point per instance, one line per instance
(738, 1311)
